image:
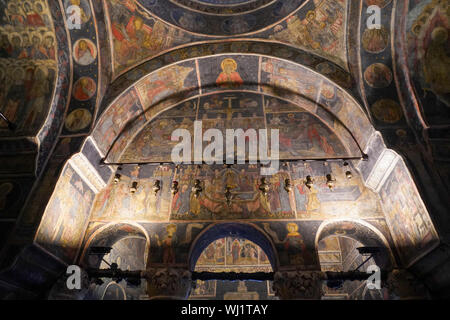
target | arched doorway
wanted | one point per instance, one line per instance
(128, 244)
(340, 245)
(238, 250)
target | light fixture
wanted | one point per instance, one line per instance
(197, 188)
(174, 187)
(330, 181)
(133, 188)
(287, 185)
(309, 182)
(117, 178)
(348, 173)
(156, 187)
(264, 186)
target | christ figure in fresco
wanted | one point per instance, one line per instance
(229, 77)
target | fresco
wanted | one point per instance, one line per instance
(233, 255)
(229, 72)
(204, 289)
(428, 28)
(169, 86)
(115, 118)
(232, 290)
(117, 202)
(411, 227)
(304, 88)
(349, 197)
(237, 110)
(66, 216)
(247, 201)
(170, 243)
(135, 34)
(138, 33)
(320, 30)
(294, 244)
(27, 64)
(166, 82)
(223, 18)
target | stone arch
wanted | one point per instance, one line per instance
(112, 283)
(242, 230)
(361, 231)
(113, 232)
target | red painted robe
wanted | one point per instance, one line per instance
(35, 20)
(231, 80)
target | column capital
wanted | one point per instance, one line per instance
(168, 283)
(296, 285)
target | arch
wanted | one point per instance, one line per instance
(351, 121)
(272, 48)
(241, 230)
(360, 231)
(112, 232)
(113, 283)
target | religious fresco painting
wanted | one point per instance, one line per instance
(117, 202)
(233, 255)
(427, 35)
(303, 30)
(240, 111)
(126, 116)
(27, 64)
(170, 242)
(349, 197)
(90, 163)
(136, 34)
(293, 243)
(166, 82)
(247, 201)
(61, 231)
(229, 73)
(114, 119)
(407, 216)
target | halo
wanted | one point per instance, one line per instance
(35, 34)
(15, 34)
(42, 5)
(227, 61)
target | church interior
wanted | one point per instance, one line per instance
(92, 91)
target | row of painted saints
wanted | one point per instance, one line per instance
(27, 63)
(116, 201)
(25, 90)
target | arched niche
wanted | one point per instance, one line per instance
(238, 230)
(361, 231)
(108, 236)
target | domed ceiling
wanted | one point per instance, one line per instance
(222, 17)
(141, 30)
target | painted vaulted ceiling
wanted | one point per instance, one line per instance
(134, 70)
